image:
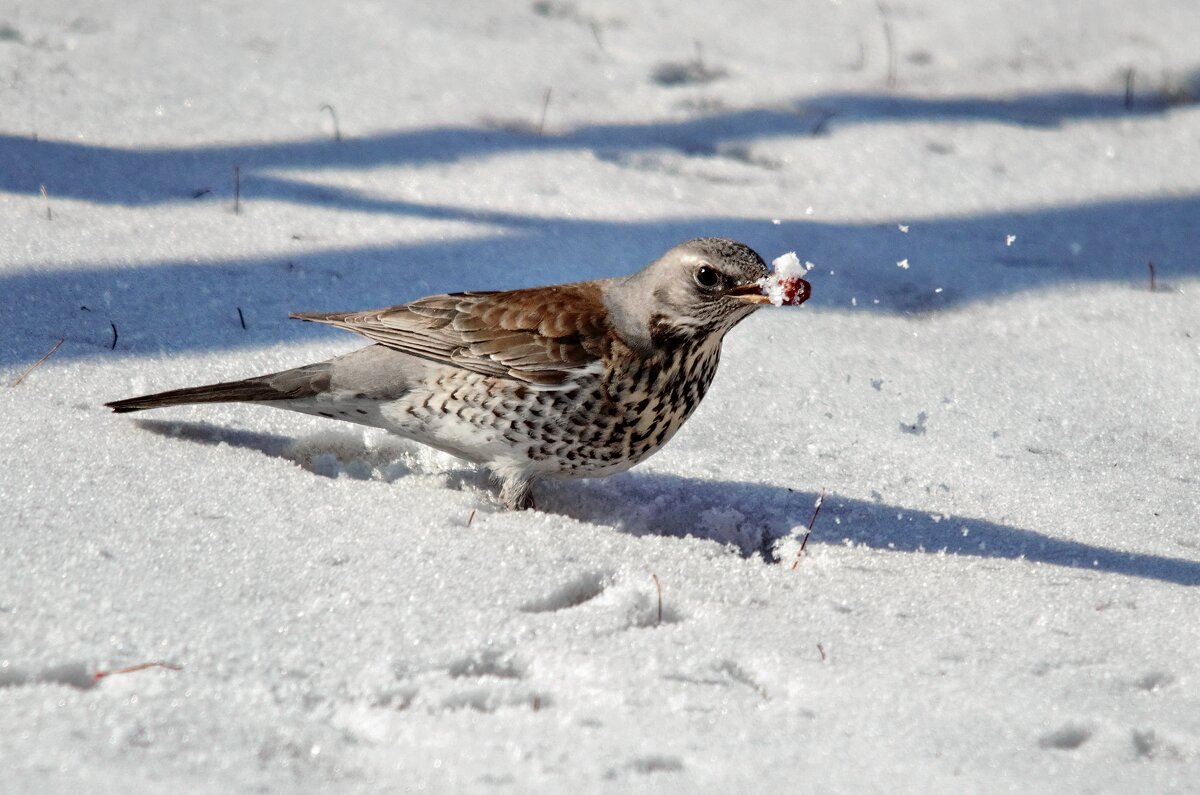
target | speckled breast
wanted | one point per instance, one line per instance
(610, 422)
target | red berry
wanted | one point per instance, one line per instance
(795, 290)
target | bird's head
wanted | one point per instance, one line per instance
(699, 289)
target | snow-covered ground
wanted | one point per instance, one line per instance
(999, 593)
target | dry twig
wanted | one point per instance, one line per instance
(337, 128)
(889, 43)
(808, 532)
(545, 107)
(237, 190)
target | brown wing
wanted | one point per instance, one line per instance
(540, 335)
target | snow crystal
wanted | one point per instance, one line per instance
(788, 265)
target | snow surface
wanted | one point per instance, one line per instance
(999, 593)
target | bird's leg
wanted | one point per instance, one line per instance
(517, 494)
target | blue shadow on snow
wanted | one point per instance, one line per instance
(139, 177)
(174, 306)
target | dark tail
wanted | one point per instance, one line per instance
(299, 383)
(234, 391)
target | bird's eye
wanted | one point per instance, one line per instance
(707, 276)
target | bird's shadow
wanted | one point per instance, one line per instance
(751, 517)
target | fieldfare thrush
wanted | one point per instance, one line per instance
(571, 380)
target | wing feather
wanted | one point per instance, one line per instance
(540, 336)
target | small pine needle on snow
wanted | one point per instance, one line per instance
(74, 674)
(139, 667)
(50, 353)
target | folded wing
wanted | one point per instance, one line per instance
(540, 336)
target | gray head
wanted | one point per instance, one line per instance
(698, 289)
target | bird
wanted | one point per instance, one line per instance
(584, 379)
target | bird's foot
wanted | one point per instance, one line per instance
(517, 495)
